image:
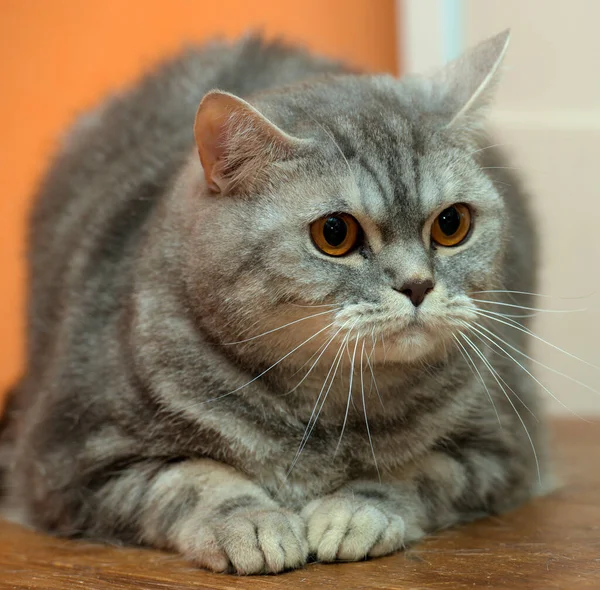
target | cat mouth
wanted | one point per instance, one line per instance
(418, 327)
(411, 329)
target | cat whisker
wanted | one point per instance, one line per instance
(362, 390)
(518, 293)
(533, 314)
(312, 421)
(533, 294)
(349, 396)
(315, 413)
(470, 329)
(502, 168)
(496, 181)
(374, 342)
(520, 328)
(472, 366)
(427, 369)
(482, 150)
(520, 352)
(511, 294)
(493, 373)
(314, 315)
(373, 380)
(494, 343)
(320, 305)
(247, 329)
(310, 358)
(271, 367)
(528, 308)
(318, 359)
(384, 348)
(348, 353)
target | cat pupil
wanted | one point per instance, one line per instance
(335, 231)
(449, 221)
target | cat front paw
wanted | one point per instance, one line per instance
(349, 529)
(250, 542)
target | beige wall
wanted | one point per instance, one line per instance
(548, 114)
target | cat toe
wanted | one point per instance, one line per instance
(348, 530)
(392, 538)
(263, 541)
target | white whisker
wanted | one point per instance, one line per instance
(471, 329)
(310, 358)
(555, 371)
(520, 328)
(314, 417)
(492, 371)
(466, 356)
(529, 373)
(349, 396)
(543, 295)
(362, 389)
(280, 328)
(514, 315)
(508, 291)
(483, 149)
(318, 359)
(373, 380)
(271, 367)
(384, 348)
(528, 308)
(320, 305)
(501, 168)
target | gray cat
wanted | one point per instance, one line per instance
(277, 340)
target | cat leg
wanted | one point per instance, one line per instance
(368, 519)
(205, 510)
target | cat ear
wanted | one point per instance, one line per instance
(468, 83)
(236, 143)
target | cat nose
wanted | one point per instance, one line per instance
(416, 291)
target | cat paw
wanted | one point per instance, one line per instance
(348, 529)
(251, 542)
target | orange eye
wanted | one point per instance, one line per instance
(451, 226)
(335, 234)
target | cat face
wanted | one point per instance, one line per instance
(369, 239)
(367, 222)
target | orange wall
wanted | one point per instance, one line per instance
(57, 56)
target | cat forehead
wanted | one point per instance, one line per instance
(404, 191)
(380, 154)
(391, 169)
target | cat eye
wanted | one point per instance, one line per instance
(452, 225)
(335, 234)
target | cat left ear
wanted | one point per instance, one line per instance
(468, 83)
(236, 143)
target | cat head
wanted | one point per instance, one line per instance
(348, 209)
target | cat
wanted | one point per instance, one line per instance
(261, 314)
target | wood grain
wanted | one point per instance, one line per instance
(553, 542)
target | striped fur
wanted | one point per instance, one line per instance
(138, 421)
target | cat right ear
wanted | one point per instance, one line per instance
(463, 90)
(236, 143)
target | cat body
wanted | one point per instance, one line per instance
(163, 401)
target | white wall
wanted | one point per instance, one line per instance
(548, 115)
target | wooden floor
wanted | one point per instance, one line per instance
(552, 543)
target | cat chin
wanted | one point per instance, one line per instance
(412, 345)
